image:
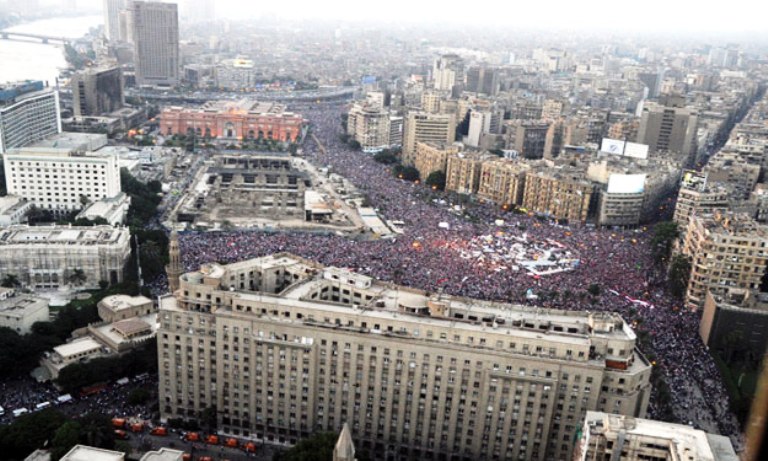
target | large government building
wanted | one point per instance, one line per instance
(233, 120)
(28, 112)
(283, 347)
(45, 257)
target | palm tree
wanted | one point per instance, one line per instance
(77, 277)
(10, 281)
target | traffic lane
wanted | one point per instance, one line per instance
(145, 442)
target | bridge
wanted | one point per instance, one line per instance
(23, 36)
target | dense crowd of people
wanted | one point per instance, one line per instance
(615, 271)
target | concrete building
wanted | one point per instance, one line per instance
(97, 91)
(284, 347)
(156, 43)
(86, 453)
(112, 209)
(45, 257)
(431, 101)
(13, 210)
(669, 128)
(736, 172)
(369, 125)
(502, 181)
(699, 200)
(64, 173)
(433, 157)
(736, 320)
(120, 307)
(727, 250)
(29, 112)
(616, 437)
(233, 121)
(428, 128)
(112, 9)
(527, 137)
(620, 209)
(447, 72)
(482, 124)
(77, 351)
(482, 79)
(558, 193)
(462, 171)
(236, 74)
(20, 312)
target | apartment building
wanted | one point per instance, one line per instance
(559, 193)
(284, 347)
(607, 436)
(433, 157)
(700, 200)
(63, 173)
(429, 128)
(502, 181)
(462, 173)
(727, 250)
(369, 125)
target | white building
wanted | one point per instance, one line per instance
(48, 256)
(79, 350)
(13, 210)
(20, 312)
(28, 112)
(113, 209)
(609, 436)
(62, 173)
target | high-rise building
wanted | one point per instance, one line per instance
(669, 128)
(62, 173)
(433, 157)
(482, 79)
(527, 137)
(112, 9)
(424, 127)
(697, 200)
(502, 181)
(369, 125)
(29, 112)
(284, 347)
(174, 269)
(739, 316)
(560, 194)
(156, 43)
(97, 91)
(447, 72)
(617, 437)
(462, 173)
(727, 250)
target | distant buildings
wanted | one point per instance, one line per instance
(112, 9)
(155, 28)
(29, 112)
(612, 437)
(298, 348)
(64, 173)
(233, 121)
(447, 72)
(97, 91)
(47, 257)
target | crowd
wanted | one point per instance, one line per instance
(615, 269)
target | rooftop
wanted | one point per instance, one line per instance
(77, 346)
(120, 302)
(86, 453)
(41, 235)
(21, 305)
(163, 454)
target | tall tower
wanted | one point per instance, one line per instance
(174, 268)
(156, 43)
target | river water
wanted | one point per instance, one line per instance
(37, 61)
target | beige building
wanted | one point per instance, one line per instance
(430, 101)
(462, 173)
(121, 307)
(561, 194)
(734, 170)
(617, 437)
(739, 316)
(620, 209)
(727, 251)
(369, 125)
(19, 312)
(669, 128)
(433, 157)
(77, 351)
(528, 137)
(44, 257)
(502, 181)
(699, 201)
(284, 347)
(425, 127)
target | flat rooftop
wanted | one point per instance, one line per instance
(21, 305)
(67, 141)
(86, 453)
(77, 346)
(39, 235)
(121, 302)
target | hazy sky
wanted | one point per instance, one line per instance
(656, 15)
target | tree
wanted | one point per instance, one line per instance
(10, 281)
(318, 447)
(407, 173)
(594, 289)
(664, 235)
(29, 432)
(77, 277)
(138, 396)
(208, 417)
(678, 275)
(463, 127)
(436, 180)
(66, 437)
(386, 157)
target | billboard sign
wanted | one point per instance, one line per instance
(635, 150)
(626, 183)
(612, 146)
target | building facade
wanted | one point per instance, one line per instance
(502, 181)
(560, 195)
(433, 157)
(620, 209)
(728, 250)
(29, 112)
(112, 9)
(46, 257)
(233, 121)
(20, 311)
(284, 347)
(61, 176)
(667, 128)
(97, 91)
(735, 321)
(462, 173)
(155, 28)
(369, 126)
(429, 128)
